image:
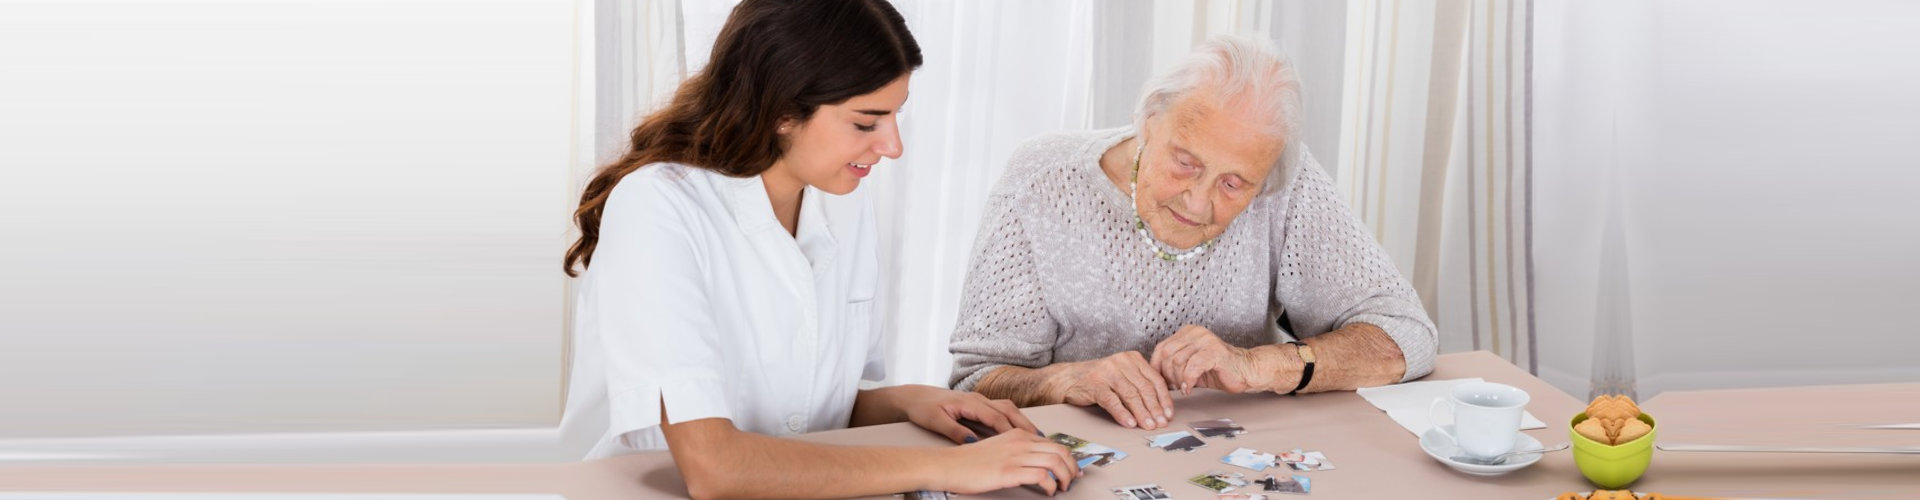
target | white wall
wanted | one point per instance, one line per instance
(282, 215)
(1767, 176)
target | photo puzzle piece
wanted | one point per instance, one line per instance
(1140, 492)
(1175, 441)
(1087, 452)
(1222, 427)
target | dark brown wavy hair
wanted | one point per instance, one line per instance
(774, 60)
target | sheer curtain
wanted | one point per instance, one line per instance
(1618, 195)
(984, 89)
(1426, 113)
(997, 73)
(1436, 159)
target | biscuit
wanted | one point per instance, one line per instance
(1605, 407)
(1635, 429)
(1630, 410)
(1592, 430)
(1612, 495)
(1613, 426)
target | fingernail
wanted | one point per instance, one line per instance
(970, 439)
(1129, 422)
(1169, 413)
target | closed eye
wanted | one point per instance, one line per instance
(1184, 168)
(1234, 184)
(867, 128)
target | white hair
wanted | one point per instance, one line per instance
(1251, 74)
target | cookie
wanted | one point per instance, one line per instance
(1592, 429)
(1612, 427)
(1612, 495)
(1634, 429)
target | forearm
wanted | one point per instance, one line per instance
(1024, 386)
(884, 405)
(729, 463)
(1354, 356)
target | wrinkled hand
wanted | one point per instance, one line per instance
(1007, 460)
(1123, 384)
(1195, 357)
(939, 410)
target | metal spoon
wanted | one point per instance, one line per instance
(1501, 459)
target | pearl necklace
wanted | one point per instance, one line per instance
(1140, 226)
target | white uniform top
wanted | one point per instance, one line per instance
(698, 297)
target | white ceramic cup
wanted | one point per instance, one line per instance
(1486, 417)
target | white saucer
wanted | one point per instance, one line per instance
(1440, 447)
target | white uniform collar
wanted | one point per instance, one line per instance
(753, 210)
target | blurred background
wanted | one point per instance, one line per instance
(331, 230)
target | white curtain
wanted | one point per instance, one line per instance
(997, 73)
(1425, 112)
(1436, 159)
(1639, 196)
(984, 89)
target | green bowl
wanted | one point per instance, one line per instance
(1612, 467)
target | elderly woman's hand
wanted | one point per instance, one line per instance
(1123, 384)
(1195, 357)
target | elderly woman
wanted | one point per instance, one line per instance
(1115, 266)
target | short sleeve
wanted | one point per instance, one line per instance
(652, 304)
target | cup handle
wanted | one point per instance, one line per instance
(1436, 422)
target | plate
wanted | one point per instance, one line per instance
(1440, 447)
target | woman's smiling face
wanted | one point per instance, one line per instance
(840, 143)
(1204, 162)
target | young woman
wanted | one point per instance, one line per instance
(727, 277)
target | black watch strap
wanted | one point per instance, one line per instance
(1306, 374)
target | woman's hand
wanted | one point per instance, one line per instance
(939, 410)
(1195, 357)
(1004, 461)
(1123, 384)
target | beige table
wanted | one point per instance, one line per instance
(1376, 458)
(1787, 416)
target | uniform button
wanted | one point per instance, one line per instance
(796, 423)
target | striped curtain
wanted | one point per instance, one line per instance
(1436, 159)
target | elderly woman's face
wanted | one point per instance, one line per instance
(1204, 163)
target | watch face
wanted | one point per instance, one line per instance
(1306, 352)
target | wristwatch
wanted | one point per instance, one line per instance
(1306, 374)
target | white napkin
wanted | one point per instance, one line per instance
(1407, 404)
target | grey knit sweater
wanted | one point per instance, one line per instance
(1059, 274)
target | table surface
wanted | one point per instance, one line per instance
(1375, 457)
